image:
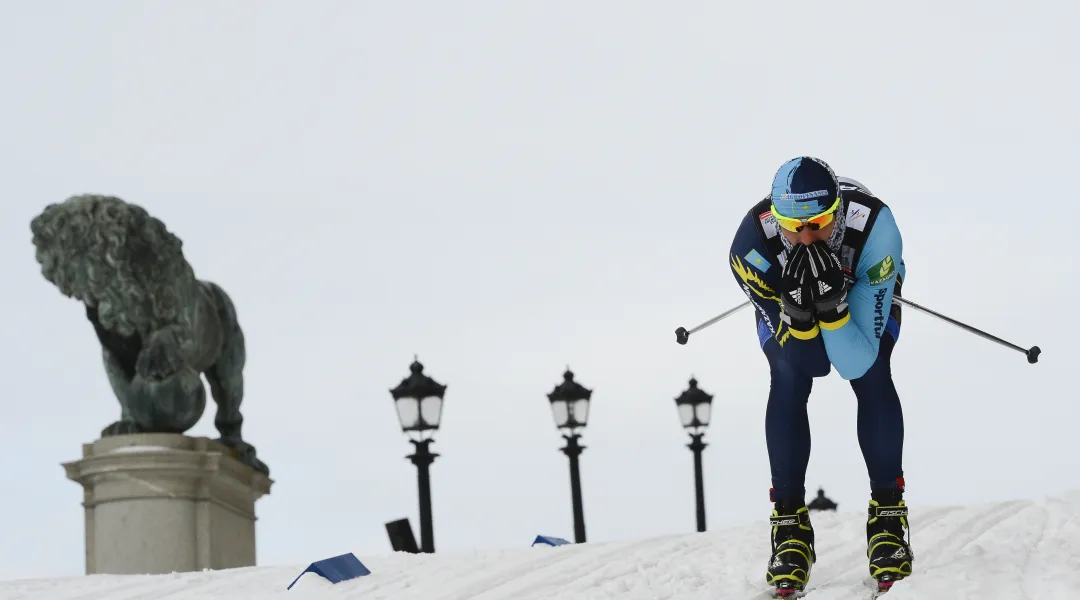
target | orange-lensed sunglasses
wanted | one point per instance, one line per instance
(796, 224)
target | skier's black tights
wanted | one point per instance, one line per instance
(880, 426)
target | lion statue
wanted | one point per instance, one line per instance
(160, 328)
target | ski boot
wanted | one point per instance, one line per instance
(792, 549)
(887, 549)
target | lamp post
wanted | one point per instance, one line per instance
(570, 407)
(419, 401)
(695, 408)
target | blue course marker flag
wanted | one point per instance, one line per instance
(549, 540)
(336, 569)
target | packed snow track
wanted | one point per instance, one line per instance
(1001, 551)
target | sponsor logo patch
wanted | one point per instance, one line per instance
(857, 215)
(883, 271)
(806, 196)
(879, 311)
(768, 224)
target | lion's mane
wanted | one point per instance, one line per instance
(115, 257)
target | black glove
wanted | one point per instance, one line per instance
(828, 286)
(795, 292)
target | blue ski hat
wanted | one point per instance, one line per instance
(803, 187)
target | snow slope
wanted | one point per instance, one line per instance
(1008, 550)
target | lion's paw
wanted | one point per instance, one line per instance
(121, 427)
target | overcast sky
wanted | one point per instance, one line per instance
(506, 188)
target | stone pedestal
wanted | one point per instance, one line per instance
(160, 503)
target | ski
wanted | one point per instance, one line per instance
(883, 585)
(786, 591)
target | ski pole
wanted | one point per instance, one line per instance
(682, 335)
(1032, 353)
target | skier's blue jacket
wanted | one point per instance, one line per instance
(872, 242)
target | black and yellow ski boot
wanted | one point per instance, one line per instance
(888, 538)
(792, 550)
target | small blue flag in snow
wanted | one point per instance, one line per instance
(336, 569)
(548, 540)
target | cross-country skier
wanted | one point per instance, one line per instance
(821, 258)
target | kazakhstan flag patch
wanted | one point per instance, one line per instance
(758, 261)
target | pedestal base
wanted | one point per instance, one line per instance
(160, 503)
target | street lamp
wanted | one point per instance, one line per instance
(695, 408)
(419, 401)
(570, 407)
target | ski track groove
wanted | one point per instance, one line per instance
(652, 565)
(499, 582)
(1057, 522)
(491, 575)
(965, 533)
(112, 590)
(396, 578)
(204, 581)
(509, 577)
(1028, 569)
